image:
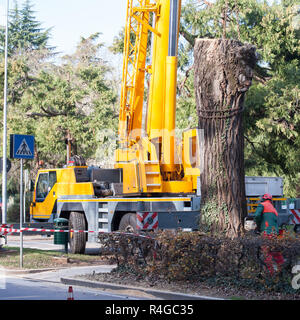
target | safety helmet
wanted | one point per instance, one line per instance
(267, 196)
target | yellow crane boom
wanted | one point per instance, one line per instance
(147, 152)
(133, 77)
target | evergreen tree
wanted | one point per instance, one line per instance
(25, 32)
(14, 26)
(34, 36)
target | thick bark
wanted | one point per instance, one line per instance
(223, 74)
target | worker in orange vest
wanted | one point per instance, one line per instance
(266, 218)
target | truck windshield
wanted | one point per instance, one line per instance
(45, 183)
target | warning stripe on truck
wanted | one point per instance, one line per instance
(146, 220)
(296, 216)
(126, 200)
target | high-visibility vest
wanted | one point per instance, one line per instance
(268, 207)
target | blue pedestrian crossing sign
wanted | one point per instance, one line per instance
(21, 146)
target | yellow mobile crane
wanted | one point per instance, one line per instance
(155, 181)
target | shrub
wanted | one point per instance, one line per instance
(13, 208)
(192, 256)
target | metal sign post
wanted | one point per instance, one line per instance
(21, 213)
(26, 182)
(21, 147)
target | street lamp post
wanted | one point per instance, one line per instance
(4, 172)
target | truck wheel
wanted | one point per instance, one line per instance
(77, 239)
(128, 223)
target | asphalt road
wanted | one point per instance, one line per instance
(46, 286)
(13, 288)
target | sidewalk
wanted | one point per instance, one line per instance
(54, 274)
(70, 276)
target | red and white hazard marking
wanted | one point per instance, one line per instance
(4, 232)
(296, 215)
(147, 220)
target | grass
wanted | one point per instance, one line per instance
(40, 259)
(237, 298)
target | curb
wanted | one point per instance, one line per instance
(27, 271)
(33, 271)
(160, 295)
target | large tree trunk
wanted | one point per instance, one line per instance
(223, 74)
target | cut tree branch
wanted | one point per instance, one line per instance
(187, 74)
(190, 38)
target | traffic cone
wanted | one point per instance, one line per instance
(70, 293)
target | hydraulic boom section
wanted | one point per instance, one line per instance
(133, 78)
(147, 153)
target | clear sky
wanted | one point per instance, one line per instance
(71, 19)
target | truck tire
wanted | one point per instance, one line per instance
(128, 223)
(77, 240)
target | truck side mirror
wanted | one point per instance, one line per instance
(31, 186)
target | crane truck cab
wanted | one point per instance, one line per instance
(53, 182)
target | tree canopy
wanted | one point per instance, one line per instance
(52, 100)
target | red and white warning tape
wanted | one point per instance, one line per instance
(5, 231)
(11, 230)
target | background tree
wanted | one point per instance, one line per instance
(25, 32)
